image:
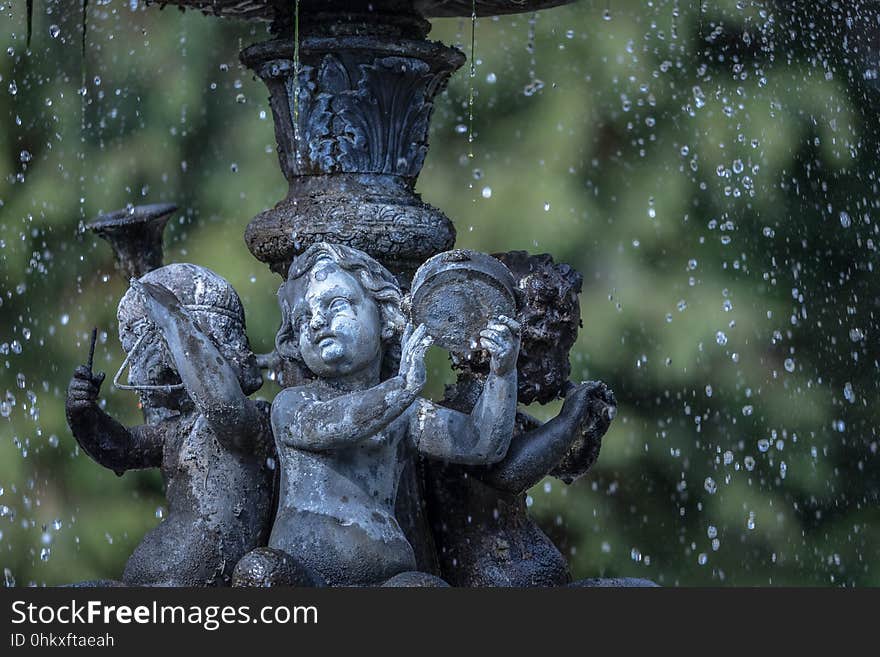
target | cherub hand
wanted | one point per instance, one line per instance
(412, 359)
(83, 390)
(590, 403)
(160, 303)
(501, 339)
(589, 407)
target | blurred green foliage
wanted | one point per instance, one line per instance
(713, 175)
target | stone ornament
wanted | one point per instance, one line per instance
(351, 476)
(455, 293)
(182, 328)
(340, 438)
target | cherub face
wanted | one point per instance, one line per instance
(151, 371)
(339, 325)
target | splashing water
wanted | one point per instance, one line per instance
(473, 74)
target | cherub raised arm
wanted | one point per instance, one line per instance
(340, 438)
(479, 516)
(182, 327)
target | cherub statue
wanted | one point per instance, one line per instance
(480, 523)
(182, 328)
(341, 438)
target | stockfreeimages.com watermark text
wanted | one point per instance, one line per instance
(209, 617)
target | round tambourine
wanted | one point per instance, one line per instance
(456, 293)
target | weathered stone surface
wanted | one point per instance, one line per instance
(342, 438)
(182, 327)
(455, 293)
(135, 233)
(480, 524)
(352, 135)
(265, 567)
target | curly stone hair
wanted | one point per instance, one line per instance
(549, 313)
(378, 283)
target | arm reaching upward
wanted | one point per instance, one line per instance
(483, 436)
(104, 439)
(211, 382)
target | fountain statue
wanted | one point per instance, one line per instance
(341, 437)
(352, 478)
(182, 328)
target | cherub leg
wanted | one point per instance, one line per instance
(179, 552)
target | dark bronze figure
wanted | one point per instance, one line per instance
(182, 328)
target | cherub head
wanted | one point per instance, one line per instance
(340, 309)
(215, 307)
(550, 317)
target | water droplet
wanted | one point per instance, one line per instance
(491, 78)
(25, 156)
(712, 531)
(789, 364)
(747, 410)
(45, 553)
(848, 393)
(763, 445)
(606, 15)
(533, 87)
(702, 558)
(721, 338)
(749, 462)
(845, 219)
(547, 206)
(54, 31)
(487, 192)
(710, 486)
(856, 334)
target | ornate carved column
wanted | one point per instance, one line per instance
(352, 133)
(352, 89)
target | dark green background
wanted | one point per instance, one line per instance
(693, 166)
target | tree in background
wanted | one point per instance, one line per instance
(713, 174)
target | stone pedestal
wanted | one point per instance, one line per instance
(352, 134)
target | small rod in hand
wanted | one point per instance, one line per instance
(92, 348)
